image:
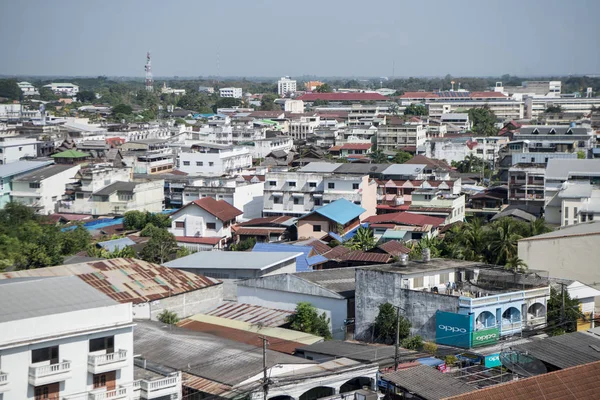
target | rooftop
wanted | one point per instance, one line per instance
(340, 211)
(405, 218)
(219, 208)
(43, 173)
(356, 96)
(20, 167)
(339, 280)
(565, 350)
(581, 229)
(31, 298)
(563, 168)
(325, 167)
(427, 383)
(116, 187)
(123, 279)
(70, 154)
(416, 267)
(232, 260)
(404, 169)
(364, 352)
(253, 314)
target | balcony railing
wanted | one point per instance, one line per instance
(49, 373)
(109, 358)
(120, 393)
(159, 384)
(3, 378)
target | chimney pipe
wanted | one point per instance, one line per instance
(426, 254)
(403, 259)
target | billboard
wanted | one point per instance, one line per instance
(493, 360)
(485, 337)
(453, 329)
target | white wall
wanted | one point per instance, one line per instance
(195, 219)
(336, 309)
(227, 162)
(14, 150)
(249, 199)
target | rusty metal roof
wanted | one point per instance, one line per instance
(207, 386)
(126, 279)
(250, 313)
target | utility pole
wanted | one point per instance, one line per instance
(397, 344)
(562, 307)
(265, 379)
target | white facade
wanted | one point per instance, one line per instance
(215, 161)
(63, 88)
(432, 199)
(457, 149)
(194, 221)
(391, 137)
(263, 147)
(294, 106)
(304, 126)
(231, 92)
(42, 192)
(502, 109)
(14, 149)
(286, 86)
(27, 88)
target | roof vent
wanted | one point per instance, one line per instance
(426, 254)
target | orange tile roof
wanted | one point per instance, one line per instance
(220, 209)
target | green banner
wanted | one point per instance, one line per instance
(485, 337)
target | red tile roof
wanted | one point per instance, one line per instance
(335, 148)
(198, 240)
(343, 97)
(358, 255)
(253, 314)
(430, 162)
(575, 383)
(336, 252)
(220, 209)
(394, 248)
(318, 246)
(418, 95)
(356, 146)
(405, 218)
(333, 115)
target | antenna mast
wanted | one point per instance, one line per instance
(149, 80)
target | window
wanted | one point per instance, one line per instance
(317, 202)
(566, 212)
(355, 186)
(331, 185)
(104, 343)
(211, 225)
(357, 202)
(575, 213)
(125, 197)
(292, 184)
(99, 381)
(186, 163)
(179, 224)
(211, 164)
(277, 200)
(45, 354)
(418, 282)
(445, 278)
(272, 183)
(79, 195)
(316, 228)
(312, 184)
(199, 164)
(298, 200)
(34, 185)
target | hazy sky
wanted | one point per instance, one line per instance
(279, 37)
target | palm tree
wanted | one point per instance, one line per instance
(515, 264)
(473, 238)
(537, 227)
(503, 243)
(378, 157)
(362, 240)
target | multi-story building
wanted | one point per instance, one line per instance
(231, 92)
(460, 120)
(138, 132)
(558, 138)
(293, 106)
(437, 203)
(303, 125)
(526, 185)
(212, 159)
(42, 189)
(399, 135)
(311, 86)
(460, 147)
(286, 86)
(27, 88)
(15, 148)
(9, 172)
(77, 345)
(574, 107)
(67, 89)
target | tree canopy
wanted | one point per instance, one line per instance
(385, 325)
(161, 247)
(307, 319)
(401, 157)
(124, 109)
(226, 102)
(416, 109)
(561, 320)
(86, 96)
(267, 103)
(362, 240)
(324, 88)
(10, 89)
(484, 121)
(168, 317)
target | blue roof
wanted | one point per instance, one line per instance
(111, 245)
(318, 259)
(20, 167)
(341, 211)
(302, 263)
(430, 361)
(336, 237)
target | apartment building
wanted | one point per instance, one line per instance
(557, 138)
(65, 89)
(42, 189)
(213, 159)
(9, 172)
(459, 120)
(27, 88)
(293, 106)
(286, 86)
(303, 125)
(142, 131)
(460, 147)
(356, 135)
(438, 203)
(15, 148)
(573, 107)
(399, 135)
(148, 156)
(76, 345)
(231, 92)
(526, 185)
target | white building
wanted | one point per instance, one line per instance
(458, 148)
(14, 149)
(43, 189)
(27, 88)
(293, 106)
(399, 135)
(435, 203)
(504, 109)
(67, 89)
(302, 126)
(212, 159)
(231, 92)
(460, 120)
(77, 345)
(286, 86)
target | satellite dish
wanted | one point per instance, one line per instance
(522, 363)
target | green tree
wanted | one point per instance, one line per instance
(484, 121)
(158, 219)
(515, 264)
(46, 94)
(99, 252)
(413, 343)
(226, 102)
(86, 96)
(192, 101)
(362, 240)
(430, 347)
(581, 155)
(416, 109)
(124, 109)
(244, 245)
(401, 157)
(385, 325)
(161, 246)
(75, 240)
(10, 89)
(553, 109)
(562, 320)
(134, 220)
(183, 251)
(267, 103)
(307, 319)
(503, 240)
(538, 227)
(324, 88)
(168, 317)
(319, 102)
(378, 157)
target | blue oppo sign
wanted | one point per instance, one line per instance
(453, 329)
(493, 360)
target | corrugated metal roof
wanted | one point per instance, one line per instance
(341, 211)
(126, 279)
(121, 243)
(232, 260)
(302, 263)
(250, 313)
(428, 383)
(207, 386)
(20, 167)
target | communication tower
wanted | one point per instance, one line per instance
(149, 80)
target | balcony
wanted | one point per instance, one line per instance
(52, 373)
(98, 364)
(3, 382)
(102, 394)
(161, 387)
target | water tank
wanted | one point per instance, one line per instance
(404, 260)
(426, 254)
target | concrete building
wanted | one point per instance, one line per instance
(573, 107)
(340, 217)
(43, 189)
(572, 252)
(293, 106)
(231, 92)
(27, 88)
(303, 125)
(460, 120)
(67, 89)
(78, 345)
(558, 138)
(458, 148)
(9, 172)
(207, 219)
(575, 202)
(286, 86)
(397, 135)
(211, 159)
(436, 295)
(435, 202)
(14, 149)
(526, 185)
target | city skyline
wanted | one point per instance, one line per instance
(271, 39)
